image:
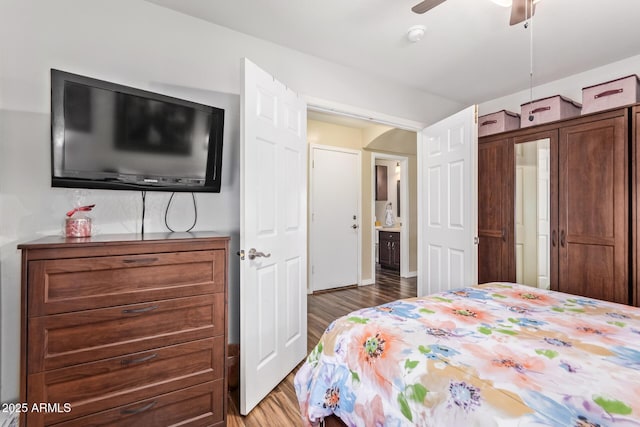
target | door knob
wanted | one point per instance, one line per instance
(255, 254)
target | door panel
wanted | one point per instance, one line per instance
(591, 271)
(635, 205)
(495, 211)
(273, 200)
(335, 232)
(593, 205)
(448, 164)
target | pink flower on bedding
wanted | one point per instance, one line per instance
(374, 353)
(373, 413)
(533, 296)
(589, 329)
(502, 363)
(467, 314)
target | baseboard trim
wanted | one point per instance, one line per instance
(411, 274)
(368, 282)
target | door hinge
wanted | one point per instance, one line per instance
(475, 114)
(476, 240)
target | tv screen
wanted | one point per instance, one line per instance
(105, 135)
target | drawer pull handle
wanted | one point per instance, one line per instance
(140, 261)
(608, 93)
(128, 362)
(139, 310)
(489, 122)
(139, 410)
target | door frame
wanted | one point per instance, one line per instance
(311, 243)
(404, 218)
(345, 110)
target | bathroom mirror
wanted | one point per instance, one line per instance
(532, 213)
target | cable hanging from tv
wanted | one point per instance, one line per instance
(195, 213)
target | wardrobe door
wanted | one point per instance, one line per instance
(635, 140)
(495, 210)
(593, 209)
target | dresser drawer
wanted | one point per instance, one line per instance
(93, 387)
(198, 406)
(64, 285)
(85, 336)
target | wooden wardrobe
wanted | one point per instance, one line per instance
(591, 213)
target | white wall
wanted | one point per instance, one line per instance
(142, 45)
(570, 87)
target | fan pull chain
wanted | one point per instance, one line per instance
(529, 25)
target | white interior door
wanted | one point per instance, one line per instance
(544, 214)
(335, 217)
(448, 203)
(273, 200)
(519, 219)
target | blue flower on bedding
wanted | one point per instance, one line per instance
(332, 390)
(558, 342)
(617, 315)
(464, 395)
(567, 366)
(523, 321)
(573, 411)
(471, 293)
(626, 357)
(437, 352)
(400, 309)
(584, 302)
(330, 327)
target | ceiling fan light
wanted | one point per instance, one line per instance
(508, 3)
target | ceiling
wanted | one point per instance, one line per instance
(469, 53)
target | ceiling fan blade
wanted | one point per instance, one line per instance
(426, 5)
(521, 10)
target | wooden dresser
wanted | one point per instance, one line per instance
(122, 330)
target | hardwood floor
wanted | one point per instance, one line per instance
(280, 407)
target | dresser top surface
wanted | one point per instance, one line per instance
(107, 239)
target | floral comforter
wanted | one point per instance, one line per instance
(492, 355)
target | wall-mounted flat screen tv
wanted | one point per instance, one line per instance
(110, 136)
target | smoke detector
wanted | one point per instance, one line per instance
(415, 33)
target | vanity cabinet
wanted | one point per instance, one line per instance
(125, 330)
(583, 204)
(389, 249)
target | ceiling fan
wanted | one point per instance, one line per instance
(521, 10)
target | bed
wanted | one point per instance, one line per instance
(497, 354)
